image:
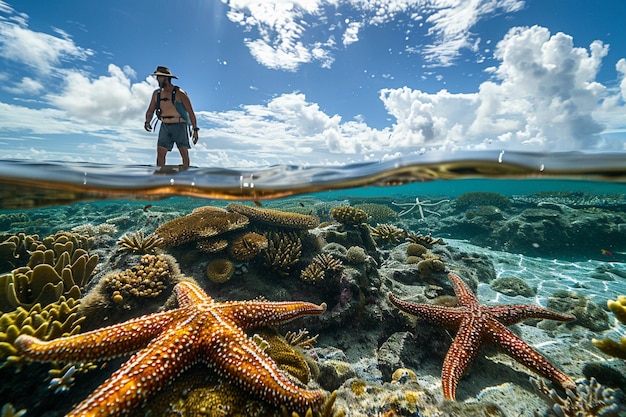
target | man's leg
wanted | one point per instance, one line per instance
(184, 154)
(161, 152)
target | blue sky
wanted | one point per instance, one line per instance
(313, 81)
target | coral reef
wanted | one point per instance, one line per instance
(271, 217)
(387, 234)
(425, 240)
(201, 223)
(47, 277)
(618, 307)
(247, 246)
(284, 250)
(349, 216)
(322, 267)
(377, 213)
(220, 270)
(590, 400)
(57, 319)
(146, 280)
(138, 243)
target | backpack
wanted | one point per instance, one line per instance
(179, 106)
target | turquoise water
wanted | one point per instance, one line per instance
(554, 225)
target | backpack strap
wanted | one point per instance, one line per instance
(158, 104)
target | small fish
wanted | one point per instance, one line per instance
(310, 212)
(258, 203)
(301, 204)
(146, 207)
(606, 252)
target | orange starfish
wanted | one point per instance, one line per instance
(480, 324)
(168, 343)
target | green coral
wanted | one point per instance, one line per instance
(58, 319)
(46, 278)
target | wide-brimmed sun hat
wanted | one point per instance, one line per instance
(164, 71)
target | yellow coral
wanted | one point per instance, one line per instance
(618, 308)
(52, 321)
(609, 346)
(272, 217)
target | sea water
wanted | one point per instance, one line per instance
(555, 223)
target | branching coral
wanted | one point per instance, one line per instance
(427, 241)
(283, 251)
(609, 346)
(202, 223)
(283, 219)
(349, 216)
(136, 242)
(387, 233)
(590, 400)
(321, 267)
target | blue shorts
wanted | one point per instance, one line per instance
(171, 133)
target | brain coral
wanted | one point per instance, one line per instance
(275, 217)
(203, 222)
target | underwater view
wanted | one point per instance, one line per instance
(473, 295)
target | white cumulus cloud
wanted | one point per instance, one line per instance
(543, 93)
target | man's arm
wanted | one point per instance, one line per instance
(150, 112)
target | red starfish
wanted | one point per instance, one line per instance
(480, 324)
(168, 343)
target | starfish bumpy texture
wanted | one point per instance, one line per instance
(168, 343)
(479, 324)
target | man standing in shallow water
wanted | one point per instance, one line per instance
(173, 123)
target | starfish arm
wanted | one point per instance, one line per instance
(519, 350)
(514, 313)
(189, 294)
(105, 343)
(251, 314)
(462, 290)
(236, 357)
(143, 374)
(449, 317)
(462, 352)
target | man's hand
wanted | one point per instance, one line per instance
(147, 127)
(195, 137)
